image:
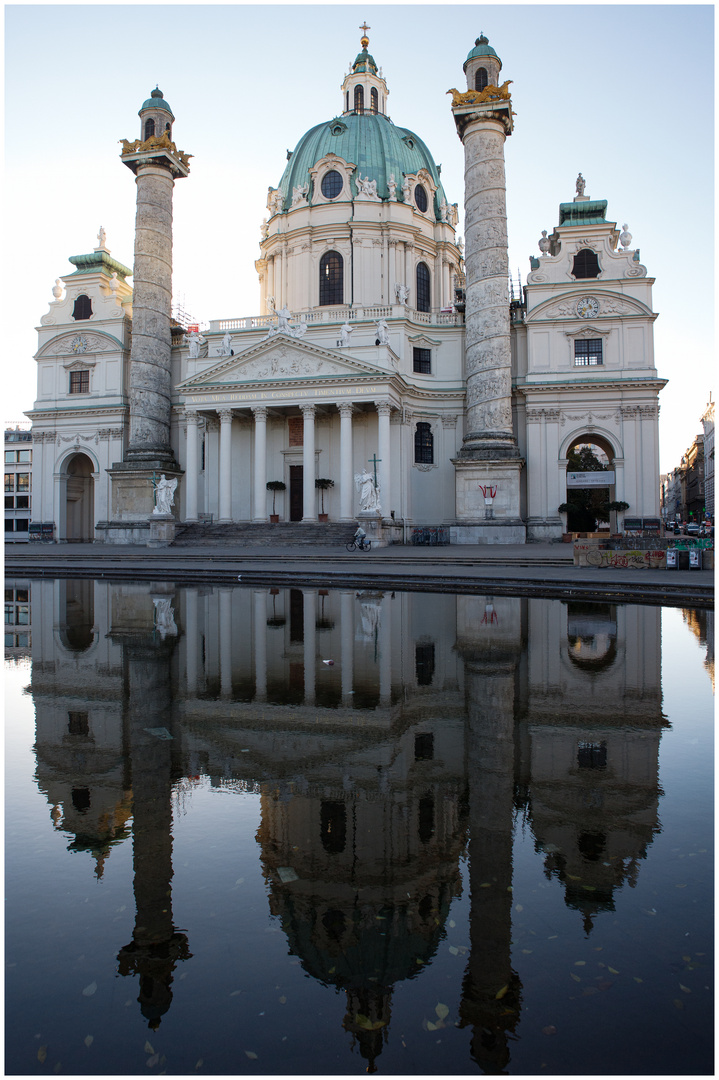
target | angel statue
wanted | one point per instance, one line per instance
(164, 495)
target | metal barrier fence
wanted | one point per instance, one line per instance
(433, 536)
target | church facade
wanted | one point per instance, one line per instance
(388, 361)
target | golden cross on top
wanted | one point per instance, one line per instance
(364, 28)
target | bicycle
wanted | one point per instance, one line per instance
(360, 544)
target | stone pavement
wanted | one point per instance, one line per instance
(531, 569)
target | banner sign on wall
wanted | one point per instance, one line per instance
(590, 479)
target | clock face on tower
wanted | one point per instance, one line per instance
(79, 344)
(587, 307)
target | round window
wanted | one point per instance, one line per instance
(331, 184)
(420, 197)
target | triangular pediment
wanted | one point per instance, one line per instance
(281, 358)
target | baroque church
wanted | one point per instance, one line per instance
(391, 377)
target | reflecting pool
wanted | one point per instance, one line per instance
(284, 831)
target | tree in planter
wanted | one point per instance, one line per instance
(274, 486)
(322, 484)
(585, 505)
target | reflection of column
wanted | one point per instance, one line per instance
(490, 645)
(156, 946)
(385, 652)
(347, 616)
(308, 464)
(345, 410)
(383, 411)
(310, 642)
(191, 467)
(225, 631)
(191, 641)
(260, 513)
(225, 465)
(260, 645)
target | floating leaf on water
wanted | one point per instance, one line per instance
(282, 1000)
(637, 979)
(680, 886)
(510, 888)
(418, 961)
(604, 984)
(580, 963)
(589, 990)
(575, 977)
(332, 970)
(251, 1055)
(442, 1011)
(552, 937)
(687, 959)
(42, 1054)
(88, 1040)
(368, 1025)
(573, 877)
(526, 951)
(235, 993)
(431, 1026)
(518, 907)
(678, 1004)
(149, 1049)
(199, 1063)
(152, 1060)
(590, 888)
(613, 970)
(486, 885)
(454, 950)
(452, 923)
(500, 993)
(684, 988)
(89, 990)
(549, 1030)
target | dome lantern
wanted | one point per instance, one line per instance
(155, 116)
(364, 89)
(482, 66)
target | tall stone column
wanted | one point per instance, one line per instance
(385, 493)
(192, 464)
(156, 163)
(308, 464)
(225, 465)
(260, 511)
(489, 460)
(345, 410)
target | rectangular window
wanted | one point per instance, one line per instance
(588, 352)
(10, 458)
(9, 481)
(79, 382)
(22, 502)
(23, 481)
(422, 361)
(23, 615)
(9, 502)
(9, 525)
(21, 524)
(24, 455)
(9, 614)
(592, 755)
(424, 444)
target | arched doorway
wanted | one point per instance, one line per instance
(79, 499)
(591, 485)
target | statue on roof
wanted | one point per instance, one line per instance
(581, 183)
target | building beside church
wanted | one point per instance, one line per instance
(387, 357)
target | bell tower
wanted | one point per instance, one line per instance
(488, 466)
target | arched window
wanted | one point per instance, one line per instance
(332, 184)
(167, 126)
(586, 264)
(420, 197)
(82, 308)
(423, 289)
(149, 128)
(423, 444)
(374, 100)
(480, 78)
(347, 101)
(331, 279)
(359, 99)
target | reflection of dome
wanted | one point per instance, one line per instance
(592, 635)
(372, 143)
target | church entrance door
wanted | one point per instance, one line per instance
(296, 492)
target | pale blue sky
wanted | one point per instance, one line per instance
(592, 89)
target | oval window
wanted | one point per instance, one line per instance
(331, 184)
(420, 197)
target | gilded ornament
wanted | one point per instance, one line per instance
(476, 97)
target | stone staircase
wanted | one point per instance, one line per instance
(265, 534)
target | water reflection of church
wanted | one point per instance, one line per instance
(388, 734)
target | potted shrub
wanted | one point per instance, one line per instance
(274, 486)
(322, 484)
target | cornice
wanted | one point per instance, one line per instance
(588, 384)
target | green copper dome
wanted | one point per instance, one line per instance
(364, 62)
(155, 101)
(372, 143)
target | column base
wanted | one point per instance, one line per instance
(132, 497)
(487, 494)
(371, 522)
(544, 530)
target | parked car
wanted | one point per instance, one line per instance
(692, 529)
